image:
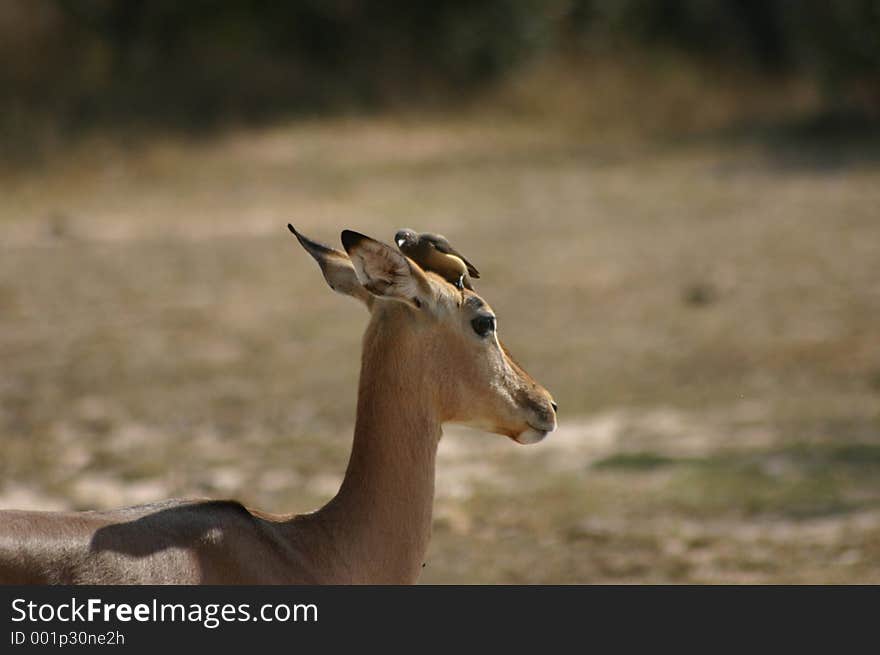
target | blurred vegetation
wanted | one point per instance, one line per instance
(68, 65)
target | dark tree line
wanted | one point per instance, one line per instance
(198, 61)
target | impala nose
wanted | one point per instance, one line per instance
(554, 406)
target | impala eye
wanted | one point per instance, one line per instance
(483, 325)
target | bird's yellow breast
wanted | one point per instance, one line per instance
(440, 261)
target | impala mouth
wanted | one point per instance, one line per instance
(532, 435)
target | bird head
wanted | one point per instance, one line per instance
(405, 237)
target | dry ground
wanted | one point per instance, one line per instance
(706, 313)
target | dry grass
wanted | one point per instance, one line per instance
(705, 312)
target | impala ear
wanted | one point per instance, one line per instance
(385, 272)
(336, 267)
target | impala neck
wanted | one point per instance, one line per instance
(382, 513)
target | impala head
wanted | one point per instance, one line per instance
(447, 337)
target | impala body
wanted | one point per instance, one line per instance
(431, 355)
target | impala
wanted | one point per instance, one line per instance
(430, 355)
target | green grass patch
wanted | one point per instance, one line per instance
(797, 481)
(643, 461)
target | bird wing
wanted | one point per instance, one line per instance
(442, 245)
